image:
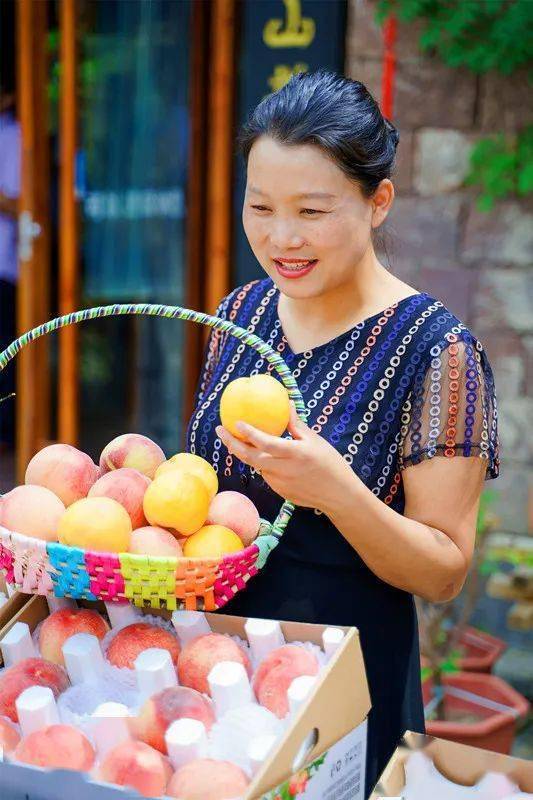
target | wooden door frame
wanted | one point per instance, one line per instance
(210, 192)
(33, 378)
(68, 381)
(208, 256)
(222, 80)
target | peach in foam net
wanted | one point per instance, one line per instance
(164, 708)
(56, 746)
(26, 673)
(133, 639)
(207, 779)
(63, 624)
(137, 766)
(9, 736)
(276, 673)
(201, 654)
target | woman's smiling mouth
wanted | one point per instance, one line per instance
(294, 268)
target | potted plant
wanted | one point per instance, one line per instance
(471, 707)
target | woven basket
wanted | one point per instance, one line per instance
(49, 568)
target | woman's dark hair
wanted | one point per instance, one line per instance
(337, 114)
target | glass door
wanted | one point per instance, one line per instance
(132, 170)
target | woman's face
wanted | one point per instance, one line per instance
(307, 223)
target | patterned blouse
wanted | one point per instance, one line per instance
(401, 386)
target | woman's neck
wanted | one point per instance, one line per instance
(308, 322)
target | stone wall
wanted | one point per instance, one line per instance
(478, 264)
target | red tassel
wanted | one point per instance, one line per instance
(390, 30)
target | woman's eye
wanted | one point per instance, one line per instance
(311, 211)
(260, 208)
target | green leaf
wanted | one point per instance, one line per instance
(480, 35)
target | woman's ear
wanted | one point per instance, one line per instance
(382, 200)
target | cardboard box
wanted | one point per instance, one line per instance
(13, 604)
(326, 740)
(457, 762)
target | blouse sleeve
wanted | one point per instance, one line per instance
(213, 350)
(452, 409)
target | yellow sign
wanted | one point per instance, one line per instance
(298, 31)
(283, 73)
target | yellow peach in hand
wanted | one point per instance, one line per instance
(96, 523)
(195, 465)
(260, 401)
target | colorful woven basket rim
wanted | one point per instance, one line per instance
(51, 567)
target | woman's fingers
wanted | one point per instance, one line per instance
(274, 445)
(253, 456)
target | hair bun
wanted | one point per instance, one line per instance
(393, 133)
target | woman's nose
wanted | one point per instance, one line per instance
(283, 235)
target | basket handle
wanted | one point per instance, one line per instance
(177, 312)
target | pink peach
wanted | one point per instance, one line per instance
(63, 624)
(162, 709)
(276, 673)
(236, 512)
(132, 450)
(135, 638)
(201, 654)
(138, 766)
(127, 486)
(56, 747)
(33, 511)
(26, 673)
(154, 541)
(9, 736)
(63, 469)
(207, 779)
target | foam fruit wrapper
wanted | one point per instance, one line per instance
(186, 740)
(83, 658)
(155, 671)
(36, 709)
(122, 614)
(190, 624)
(17, 644)
(108, 727)
(230, 687)
(264, 635)
(423, 781)
(230, 736)
(259, 749)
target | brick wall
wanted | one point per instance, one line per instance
(478, 264)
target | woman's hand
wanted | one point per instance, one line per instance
(306, 469)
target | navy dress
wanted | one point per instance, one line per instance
(404, 385)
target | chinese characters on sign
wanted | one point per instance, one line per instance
(278, 39)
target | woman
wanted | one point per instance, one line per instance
(388, 471)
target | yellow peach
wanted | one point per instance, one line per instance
(261, 401)
(195, 465)
(177, 500)
(212, 541)
(96, 523)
